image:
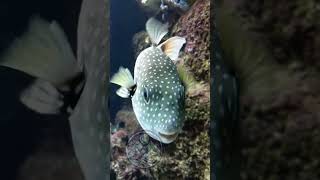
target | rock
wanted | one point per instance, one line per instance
(195, 27)
(140, 41)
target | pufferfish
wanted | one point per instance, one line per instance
(157, 91)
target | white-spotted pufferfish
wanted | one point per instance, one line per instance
(157, 91)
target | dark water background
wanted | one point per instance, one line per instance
(126, 19)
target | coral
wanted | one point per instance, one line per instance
(280, 135)
(118, 136)
(119, 161)
(198, 102)
(128, 117)
(195, 27)
(188, 152)
(291, 27)
(191, 149)
(140, 41)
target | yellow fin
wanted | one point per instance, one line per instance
(172, 47)
(185, 76)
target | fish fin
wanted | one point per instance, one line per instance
(156, 30)
(185, 76)
(124, 79)
(123, 92)
(43, 52)
(42, 97)
(172, 47)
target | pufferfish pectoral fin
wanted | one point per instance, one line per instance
(123, 92)
(186, 77)
(43, 52)
(172, 47)
(123, 78)
(42, 97)
(156, 30)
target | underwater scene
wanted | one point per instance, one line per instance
(272, 47)
(159, 96)
(107, 89)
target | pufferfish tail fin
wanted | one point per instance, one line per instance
(156, 30)
(123, 78)
(43, 52)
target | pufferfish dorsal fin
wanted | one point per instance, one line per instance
(185, 76)
(172, 47)
(124, 79)
(156, 30)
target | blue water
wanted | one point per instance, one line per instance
(126, 20)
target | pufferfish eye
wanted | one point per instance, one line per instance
(146, 95)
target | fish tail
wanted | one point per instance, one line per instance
(123, 78)
(156, 30)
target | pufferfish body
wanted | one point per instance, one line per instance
(157, 91)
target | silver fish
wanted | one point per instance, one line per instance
(157, 91)
(44, 52)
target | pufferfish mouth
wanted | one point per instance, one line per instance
(169, 135)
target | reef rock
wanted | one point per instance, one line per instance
(195, 27)
(140, 41)
(282, 134)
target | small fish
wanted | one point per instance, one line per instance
(157, 91)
